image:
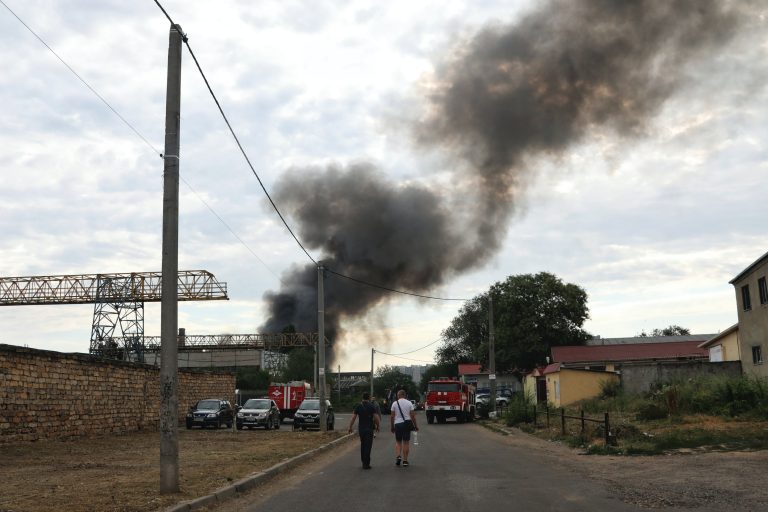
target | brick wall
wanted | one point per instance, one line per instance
(51, 395)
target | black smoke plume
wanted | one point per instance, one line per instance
(511, 94)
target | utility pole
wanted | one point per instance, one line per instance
(338, 380)
(321, 348)
(491, 354)
(169, 317)
(373, 351)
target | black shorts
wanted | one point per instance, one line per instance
(401, 432)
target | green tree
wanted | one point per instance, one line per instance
(672, 330)
(300, 365)
(435, 371)
(251, 378)
(532, 313)
(387, 377)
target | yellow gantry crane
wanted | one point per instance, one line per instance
(118, 301)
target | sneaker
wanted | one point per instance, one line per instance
(405, 463)
(366, 467)
(397, 460)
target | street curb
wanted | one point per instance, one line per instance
(251, 481)
(495, 428)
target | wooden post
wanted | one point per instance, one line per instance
(607, 430)
(582, 422)
(562, 419)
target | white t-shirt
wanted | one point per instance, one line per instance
(406, 406)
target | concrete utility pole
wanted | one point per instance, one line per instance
(321, 348)
(373, 351)
(491, 355)
(169, 380)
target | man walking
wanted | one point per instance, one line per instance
(369, 421)
(401, 419)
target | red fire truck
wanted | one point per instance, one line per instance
(289, 395)
(450, 398)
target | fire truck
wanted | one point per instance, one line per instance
(288, 396)
(450, 398)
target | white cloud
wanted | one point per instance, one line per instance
(652, 227)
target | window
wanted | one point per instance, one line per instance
(745, 301)
(757, 354)
(763, 290)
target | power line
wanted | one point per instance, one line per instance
(405, 358)
(231, 230)
(412, 351)
(274, 206)
(129, 125)
(393, 290)
(138, 134)
(234, 135)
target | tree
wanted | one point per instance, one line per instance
(252, 378)
(300, 365)
(390, 378)
(435, 371)
(532, 313)
(672, 330)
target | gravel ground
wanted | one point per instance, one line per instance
(687, 479)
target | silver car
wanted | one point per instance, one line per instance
(259, 412)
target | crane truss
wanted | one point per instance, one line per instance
(118, 301)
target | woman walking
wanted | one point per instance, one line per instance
(401, 420)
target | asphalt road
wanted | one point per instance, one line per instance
(454, 468)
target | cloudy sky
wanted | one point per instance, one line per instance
(626, 152)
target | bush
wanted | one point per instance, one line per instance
(519, 410)
(610, 388)
(649, 410)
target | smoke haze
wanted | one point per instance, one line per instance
(510, 94)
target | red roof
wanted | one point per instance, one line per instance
(628, 352)
(551, 368)
(474, 369)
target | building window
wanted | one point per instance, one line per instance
(745, 301)
(763, 290)
(757, 354)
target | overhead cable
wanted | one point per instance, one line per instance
(138, 134)
(264, 189)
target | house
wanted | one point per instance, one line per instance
(562, 386)
(474, 374)
(752, 307)
(724, 346)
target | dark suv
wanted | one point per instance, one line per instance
(308, 415)
(211, 412)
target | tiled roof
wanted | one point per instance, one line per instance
(471, 369)
(626, 352)
(650, 339)
(551, 368)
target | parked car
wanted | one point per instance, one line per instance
(503, 396)
(259, 412)
(308, 415)
(211, 412)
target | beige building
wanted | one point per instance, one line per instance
(752, 304)
(724, 346)
(561, 386)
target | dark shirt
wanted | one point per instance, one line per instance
(365, 412)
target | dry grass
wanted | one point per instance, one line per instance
(121, 473)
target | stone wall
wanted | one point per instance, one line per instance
(638, 378)
(51, 395)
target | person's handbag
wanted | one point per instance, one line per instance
(408, 423)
